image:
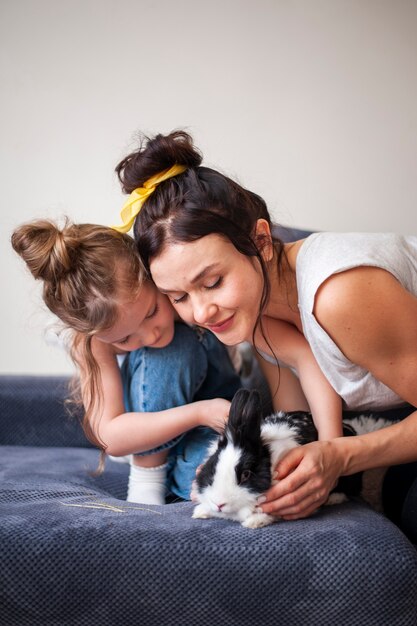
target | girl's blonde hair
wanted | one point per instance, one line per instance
(86, 270)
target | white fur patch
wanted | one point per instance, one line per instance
(364, 424)
(280, 438)
(212, 447)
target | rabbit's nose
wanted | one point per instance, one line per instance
(220, 506)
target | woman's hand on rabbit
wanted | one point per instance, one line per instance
(305, 476)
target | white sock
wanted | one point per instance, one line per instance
(147, 484)
(121, 459)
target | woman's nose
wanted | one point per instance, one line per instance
(204, 312)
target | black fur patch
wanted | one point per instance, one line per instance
(205, 476)
(300, 422)
(254, 470)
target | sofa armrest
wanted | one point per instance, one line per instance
(33, 412)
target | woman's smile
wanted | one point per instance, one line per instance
(223, 326)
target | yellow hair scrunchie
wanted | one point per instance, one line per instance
(138, 196)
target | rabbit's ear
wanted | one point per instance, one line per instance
(245, 417)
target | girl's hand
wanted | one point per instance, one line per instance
(306, 475)
(215, 413)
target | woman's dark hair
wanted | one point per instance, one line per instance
(199, 202)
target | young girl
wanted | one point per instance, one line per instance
(208, 244)
(174, 378)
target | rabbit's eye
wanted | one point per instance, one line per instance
(246, 474)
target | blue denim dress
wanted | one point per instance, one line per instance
(194, 366)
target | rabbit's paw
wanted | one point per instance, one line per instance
(336, 498)
(258, 520)
(201, 512)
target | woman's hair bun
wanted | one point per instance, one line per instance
(47, 250)
(155, 155)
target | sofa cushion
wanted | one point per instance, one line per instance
(74, 552)
(34, 412)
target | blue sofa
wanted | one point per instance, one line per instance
(74, 552)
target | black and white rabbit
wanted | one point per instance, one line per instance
(240, 463)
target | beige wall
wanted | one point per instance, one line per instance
(311, 103)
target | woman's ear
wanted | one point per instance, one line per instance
(263, 240)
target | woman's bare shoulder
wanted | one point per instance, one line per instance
(360, 306)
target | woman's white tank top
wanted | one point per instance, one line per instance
(324, 254)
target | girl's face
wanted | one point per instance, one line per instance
(148, 321)
(213, 285)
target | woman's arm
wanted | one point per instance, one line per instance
(373, 320)
(325, 403)
(285, 388)
(307, 474)
(125, 433)
(291, 347)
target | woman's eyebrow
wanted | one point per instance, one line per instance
(203, 273)
(194, 280)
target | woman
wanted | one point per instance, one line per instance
(208, 244)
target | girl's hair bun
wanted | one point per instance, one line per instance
(155, 155)
(47, 250)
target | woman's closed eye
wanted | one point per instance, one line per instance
(216, 283)
(180, 299)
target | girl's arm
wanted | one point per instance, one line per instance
(291, 347)
(124, 433)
